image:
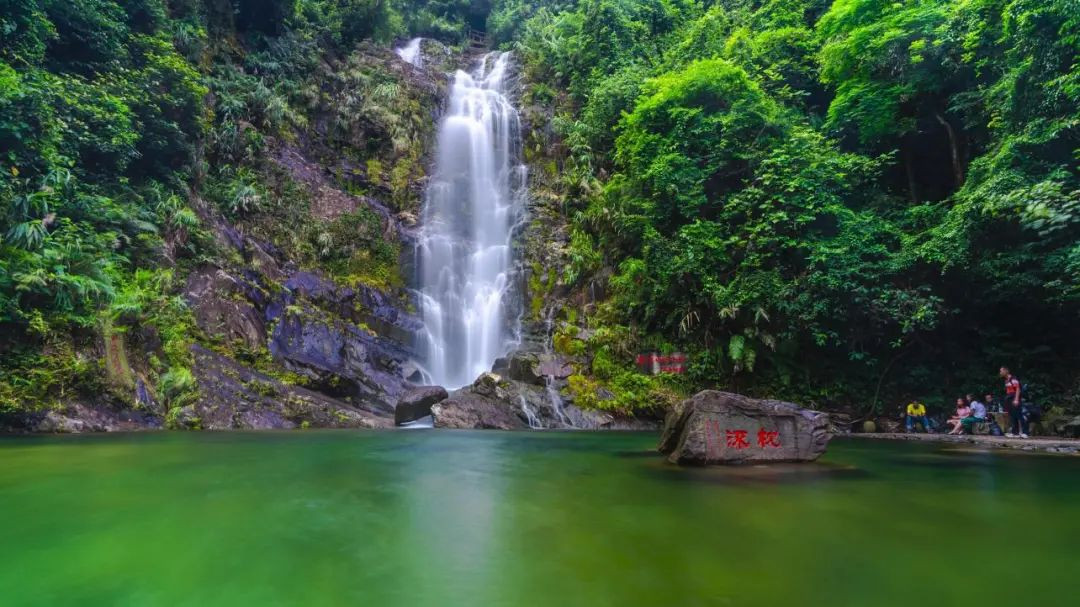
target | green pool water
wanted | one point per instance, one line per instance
(448, 518)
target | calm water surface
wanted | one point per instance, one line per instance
(469, 518)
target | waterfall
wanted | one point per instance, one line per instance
(410, 53)
(549, 380)
(464, 253)
(530, 415)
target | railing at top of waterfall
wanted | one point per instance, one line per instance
(477, 40)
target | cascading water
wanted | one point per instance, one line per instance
(410, 53)
(464, 249)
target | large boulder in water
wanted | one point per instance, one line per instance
(487, 404)
(474, 411)
(416, 403)
(714, 427)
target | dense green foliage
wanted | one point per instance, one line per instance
(124, 122)
(847, 202)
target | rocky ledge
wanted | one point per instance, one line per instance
(233, 397)
(1064, 446)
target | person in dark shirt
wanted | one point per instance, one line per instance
(1012, 404)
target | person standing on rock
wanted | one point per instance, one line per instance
(1012, 404)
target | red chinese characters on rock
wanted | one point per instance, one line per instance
(768, 438)
(737, 439)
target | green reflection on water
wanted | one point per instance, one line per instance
(470, 518)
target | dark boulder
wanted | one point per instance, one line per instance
(486, 404)
(475, 411)
(524, 367)
(714, 427)
(416, 403)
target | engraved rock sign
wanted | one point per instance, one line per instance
(714, 427)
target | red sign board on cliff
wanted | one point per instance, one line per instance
(654, 363)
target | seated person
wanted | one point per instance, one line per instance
(976, 415)
(962, 411)
(916, 412)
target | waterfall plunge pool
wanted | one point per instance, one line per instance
(446, 518)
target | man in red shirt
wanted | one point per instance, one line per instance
(1012, 404)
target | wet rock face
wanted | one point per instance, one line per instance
(341, 359)
(233, 397)
(416, 403)
(351, 343)
(221, 305)
(714, 427)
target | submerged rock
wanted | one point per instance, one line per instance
(416, 403)
(714, 427)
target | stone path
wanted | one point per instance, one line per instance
(1044, 444)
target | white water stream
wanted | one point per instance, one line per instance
(410, 53)
(464, 250)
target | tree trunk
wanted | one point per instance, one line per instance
(954, 149)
